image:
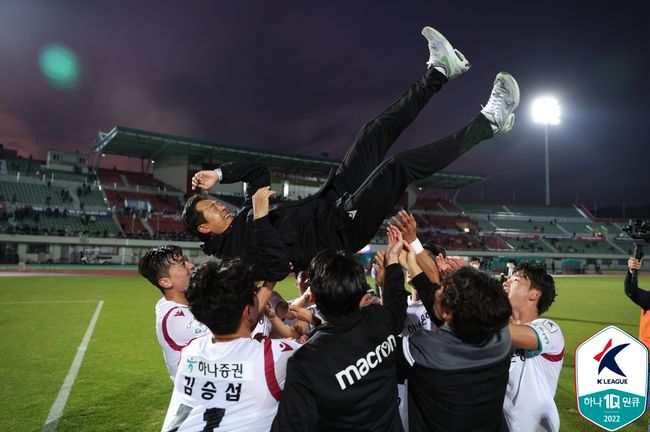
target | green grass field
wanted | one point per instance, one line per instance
(122, 384)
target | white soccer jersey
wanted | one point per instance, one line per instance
(263, 328)
(529, 404)
(228, 386)
(417, 317)
(175, 328)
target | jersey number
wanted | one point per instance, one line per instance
(212, 417)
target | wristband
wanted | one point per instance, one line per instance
(417, 246)
(219, 174)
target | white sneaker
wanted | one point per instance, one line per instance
(443, 56)
(504, 99)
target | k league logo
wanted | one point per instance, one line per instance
(611, 375)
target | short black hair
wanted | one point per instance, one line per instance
(435, 249)
(218, 292)
(193, 218)
(475, 258)
(539, 280)
(479, 306)
(511, 260)
(338, 282)
(155, 264)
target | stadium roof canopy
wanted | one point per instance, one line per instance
(146, 145)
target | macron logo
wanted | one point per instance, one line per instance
(362, 366)
(607, 359)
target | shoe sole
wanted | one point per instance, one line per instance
(511, 83)
(430, 32)
(508, 125)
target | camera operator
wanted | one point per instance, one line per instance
(642, 298)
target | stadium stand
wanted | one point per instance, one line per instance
(36, 194)
(40, 199)
(550, 211)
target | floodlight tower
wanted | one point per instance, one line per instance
(546, 111)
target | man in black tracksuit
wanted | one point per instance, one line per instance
(350, 207)
(457, 374)
(344, 377)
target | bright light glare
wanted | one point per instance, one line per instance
(546, 111)
(60, 66)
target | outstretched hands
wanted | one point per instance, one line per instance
(204, 180)
(395, 245)
(407, 225)
(399, 251)
(449, 264)
(379, 268)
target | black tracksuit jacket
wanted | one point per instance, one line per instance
(344, 377)
(293, 232)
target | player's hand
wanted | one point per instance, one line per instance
(407, 226)
(269, 312)
(634, 264)
(379, 268)
(408, 261)
(261, 201)
(366, 300)
(449, 264)
(204, 180)
(303, 314)
(395, 245)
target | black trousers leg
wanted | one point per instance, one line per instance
(375, 137)
(381, 191)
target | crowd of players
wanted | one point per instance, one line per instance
(461, 352)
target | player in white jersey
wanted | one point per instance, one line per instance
(539, 352)
(227, 381)
(175, 328)
(169, 270)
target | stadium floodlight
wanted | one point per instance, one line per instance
(546, 111)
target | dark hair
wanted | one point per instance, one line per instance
(193, 218)
(435, 249)
(475, 258)
(218, 292)
(511, 260)
(478, 304)
(155, 264)
(338, 282)
(539, 280)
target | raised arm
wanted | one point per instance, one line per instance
(394, 296)
(256, 174)
(637, 295)
(272, 262)
(407, 225)
(523, 336)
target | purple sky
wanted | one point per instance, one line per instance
(304, 76)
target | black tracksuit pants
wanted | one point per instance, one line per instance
(373, 186)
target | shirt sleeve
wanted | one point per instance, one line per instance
(272, 262)
(283, 350)
(394, 297)
(179, 327)
(298, 409)
(637, 295)
(256, 174)
(549, 337)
